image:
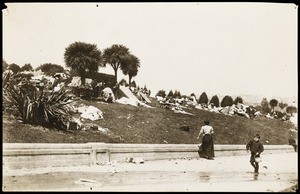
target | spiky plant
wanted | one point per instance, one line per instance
(36, 106)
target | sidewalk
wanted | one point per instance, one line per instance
(277, 172)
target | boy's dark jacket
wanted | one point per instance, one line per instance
(255, 147)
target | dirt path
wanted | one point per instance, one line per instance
(277, 172)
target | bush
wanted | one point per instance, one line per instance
(203, 98)
(171, 94)
(215, 100)
(273, 103)
(35, 106)
(238, 100)
(291, 110)
(265, 106)
(282, 105)
(177, 94)
(14, 67)
(161, 93)
(226, 101)
(85, 92)
(50, 69)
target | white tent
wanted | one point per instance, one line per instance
(128, 93)
(125, 96)
(145, 97)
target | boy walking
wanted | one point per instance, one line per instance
(255, 148)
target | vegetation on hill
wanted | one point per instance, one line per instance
(130, 124)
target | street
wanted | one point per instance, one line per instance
(234, 173)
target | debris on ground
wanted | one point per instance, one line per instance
(180, 110)
(185, 128)
(114, 171)
(112, 163)
(92, 113)
(137, 160)
(103, 130)
(75, 123)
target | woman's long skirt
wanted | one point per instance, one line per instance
(206, 150)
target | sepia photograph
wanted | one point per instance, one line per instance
(150, 97)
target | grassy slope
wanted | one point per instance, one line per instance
(146, 125)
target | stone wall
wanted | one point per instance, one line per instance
(34, 155)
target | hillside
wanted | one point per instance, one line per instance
(129, 124)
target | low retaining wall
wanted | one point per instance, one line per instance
(33, 155)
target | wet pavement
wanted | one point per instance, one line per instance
(277, 172)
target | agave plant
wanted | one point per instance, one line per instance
(36, 106)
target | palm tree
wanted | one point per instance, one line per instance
(84, 58)
(116, 56)
(130, 66)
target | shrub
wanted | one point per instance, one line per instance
(50, 69)
(35, 106)
(291, 110)
(226, 101)
(265, 106)
(237, 100)
(203, 98)
(282, 105)
(171, 94)
(177, 94)
(161, 93)
(14, 67)
(273, 103)
(215, 100)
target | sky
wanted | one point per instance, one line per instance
(217, 48)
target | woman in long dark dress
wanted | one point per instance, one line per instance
(206, 150)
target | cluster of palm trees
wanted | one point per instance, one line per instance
(85, 58)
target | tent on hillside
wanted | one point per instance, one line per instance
(125, 96)
(144, 97)
(123, 91)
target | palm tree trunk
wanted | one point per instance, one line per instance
(82, 76)
(116, 73)
(82, 80)
(129, 79)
